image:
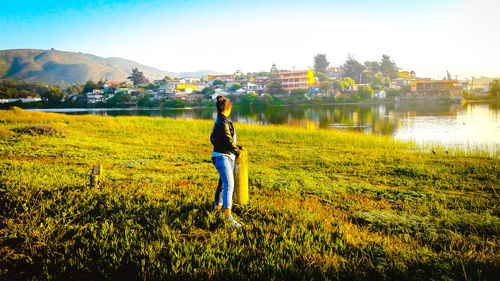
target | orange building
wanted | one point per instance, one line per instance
(436, 88)
(111, 84)
(292, 80)
(226, 78)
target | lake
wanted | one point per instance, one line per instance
(469, 126)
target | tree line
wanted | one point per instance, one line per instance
(373, 72)
(11, 89)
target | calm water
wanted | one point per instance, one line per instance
(473, 126)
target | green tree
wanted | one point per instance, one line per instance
(275, 87)
(152, 86)
(298, 93)
(267, 100)
(249, 99)
(377, 79)
(119, 98)
(374, 66)
(207, 91)
(365, 92)
(52, 97)
(74, 89)
(393, 93)
(137, 77)
(321, 76)
(274, 70)
(353, 68)
(219, 82)
(405, 88)
(90, 86)
(100, 84)
(21, 89)
(235, 86)
(326, 87)
(388, 67)
(495, 89)
(321, 63)
(340, 85)
(175, 103)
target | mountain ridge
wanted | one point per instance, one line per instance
(63, 67)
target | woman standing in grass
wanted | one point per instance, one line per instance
(223, 137)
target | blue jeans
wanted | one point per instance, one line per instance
(224, 193)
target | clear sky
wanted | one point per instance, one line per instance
(427, 36)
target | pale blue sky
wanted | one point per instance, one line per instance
(426, 36)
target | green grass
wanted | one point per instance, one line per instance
(323, 204)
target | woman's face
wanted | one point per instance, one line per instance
(227, 112)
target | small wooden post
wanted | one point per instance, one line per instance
(96, 176)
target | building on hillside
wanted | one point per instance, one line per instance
(192, 97)
(220, 92)
(200, 86)
(178, 87)
(335, 73)
(186, 88)
(292, 80)
(256, 87)
(399, 82)
(95, 97)
(406, 74)
(436, 88)
(261, 79)
(225, 78)
(111, 84)
(354, 88)
(481, 85)
(168, 87)
(192, 80)
(240, 91)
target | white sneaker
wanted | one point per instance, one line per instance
(233, 222)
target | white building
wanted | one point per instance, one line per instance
(191, 80)
(380, 94)
(219, 91)
(255, 87)
(241, 91)
(95, 97)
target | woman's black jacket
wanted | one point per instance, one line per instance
(222, 136)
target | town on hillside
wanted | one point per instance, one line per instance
(372, 81)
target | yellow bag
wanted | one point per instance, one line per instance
(241, 178)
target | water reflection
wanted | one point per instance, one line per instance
(466, 126)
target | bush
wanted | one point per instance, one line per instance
(365, 92)
(175, 103)
(16, 109)
(356, 98)
(39, 130)
(5, 134)
(267, 100)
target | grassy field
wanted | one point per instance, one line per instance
(323, 204)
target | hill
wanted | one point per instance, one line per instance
(54, 67)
